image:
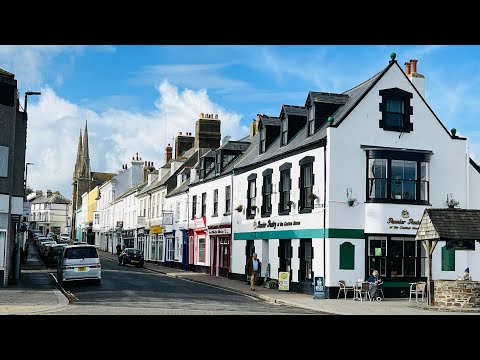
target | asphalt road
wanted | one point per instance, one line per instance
(129, 290)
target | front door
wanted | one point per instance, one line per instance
(249, 250)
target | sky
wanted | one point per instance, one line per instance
(137, 98)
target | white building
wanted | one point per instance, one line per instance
(110, 204)
(374, 157)
(49, 213)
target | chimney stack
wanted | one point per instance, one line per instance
(407, 68)
(207, 132)
(414, 65)
(254, 126)
(49, 193)
(418, 80)
(168, 153)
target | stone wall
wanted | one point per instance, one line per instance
(457, 293)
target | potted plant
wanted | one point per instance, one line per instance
(312, 196)
(452, 203)
(254, 208)
(290, 203)
(351, 201)
(239, 208)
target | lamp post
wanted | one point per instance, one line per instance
(26, 177)
(26, 95)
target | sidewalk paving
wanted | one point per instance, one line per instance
(37, 293)
(341, 306)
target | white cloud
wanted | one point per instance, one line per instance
(114, 135)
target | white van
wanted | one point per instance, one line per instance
(79, 262)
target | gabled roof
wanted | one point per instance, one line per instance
(131, 190)
(325, 97)
(475, 165)
(270, 120)
(102, 177)
(449, 224)
(54, 198)
(293, 110)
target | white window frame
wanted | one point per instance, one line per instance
(199, 261)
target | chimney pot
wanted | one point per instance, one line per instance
(137, 155)
(152, 164)
(216, 116)
(179, 133)
(133, 158)
(407, 68)
(126, 166)
(145, 163)
(201, 115)
(414, 65)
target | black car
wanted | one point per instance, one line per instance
(51, 256)
(131, 256)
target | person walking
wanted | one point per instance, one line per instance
(253, 270)
(119, 249)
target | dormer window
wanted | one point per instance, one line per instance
(396, 110)
(311, 120)
(262, 140)
(284, 131)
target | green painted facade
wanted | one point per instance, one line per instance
(301, 234)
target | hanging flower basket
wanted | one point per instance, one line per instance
(239, 208)
(312, 196)
(351, 202)
(452, 203)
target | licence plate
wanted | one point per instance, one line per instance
(83, 268)
(134, 261)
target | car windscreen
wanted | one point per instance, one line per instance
(81, 253)
(134, 252)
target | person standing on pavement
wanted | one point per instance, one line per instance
(119, 249)
(253, 270)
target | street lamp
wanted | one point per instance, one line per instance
(26, 177)
(27, 94)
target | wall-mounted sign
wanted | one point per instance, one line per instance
(3, 161)
(274, 224)
(200, 222)
(403, 223)
(378, 251)
(220, 231)
(283, 281)
(460, 245)
(157, 229)
(167, 218)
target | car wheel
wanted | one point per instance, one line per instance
(97, 282)
(124, 262)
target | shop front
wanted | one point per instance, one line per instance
(220, 247)
(128, 238)
(156, 248)
(140, 240)
(391, 247)
(200, 246)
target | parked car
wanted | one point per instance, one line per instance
(131, 256)
(64, 238)
(52, 254)
(79, 262)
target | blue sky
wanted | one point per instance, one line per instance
(136, 98)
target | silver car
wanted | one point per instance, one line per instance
(79, 262)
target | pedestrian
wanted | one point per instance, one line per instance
(374, 283)
(119, 249)
(253, 270)
(26, 253)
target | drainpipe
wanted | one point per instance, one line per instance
(324, 213)
(231, 224)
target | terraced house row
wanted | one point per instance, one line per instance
(331, 188)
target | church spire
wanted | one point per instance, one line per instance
(85, 162)
(76, 171)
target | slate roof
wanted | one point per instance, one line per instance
(270, 120)
(178, 190)
(54, 198)
(102, 177)
(326, 97)
(454, 224)
(294, 110)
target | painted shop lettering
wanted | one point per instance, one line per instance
(274, 224)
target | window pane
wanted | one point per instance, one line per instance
(396, 106)
(424, 190)
(378, 188)
(409, 190)
(377, 168)
(396, 248)
(396, 268)
(397, 169)
(423, 171)
(410, 170)
(307, 176)
(394, 120)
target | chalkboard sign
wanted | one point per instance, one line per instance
(460, 245)
(319, 288)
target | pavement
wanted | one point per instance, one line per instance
(37, 292)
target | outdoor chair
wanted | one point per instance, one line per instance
(345, 288)
(360, 289)
(416, 289)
